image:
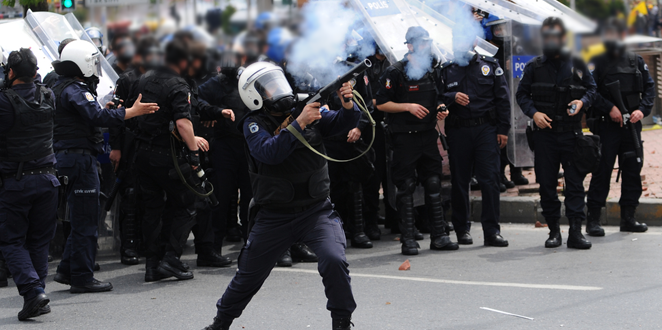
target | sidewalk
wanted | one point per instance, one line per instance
(521, 204)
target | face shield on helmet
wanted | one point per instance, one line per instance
(79, 58)
(263, 85)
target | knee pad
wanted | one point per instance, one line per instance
(433, 185)
(407, 187)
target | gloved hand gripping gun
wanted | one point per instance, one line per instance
(614, 89)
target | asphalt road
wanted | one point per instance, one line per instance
(615, 285)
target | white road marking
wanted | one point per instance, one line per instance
(434, 280)
(506, 313)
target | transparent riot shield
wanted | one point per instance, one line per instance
(520, 48)
(388, 21)
(15, 34)
(50, 29)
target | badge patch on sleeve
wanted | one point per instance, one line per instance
(498, 71)
(388, 83)
(89, 97)
(189, 98)
(365, 79)
(485, 69)
(645, 66)
(253, 127)
(580, 74)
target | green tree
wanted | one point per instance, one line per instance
(225, 19)
(597, 9)
(34, 5)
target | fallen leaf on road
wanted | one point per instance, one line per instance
(405, 265)
(540, 225)
(388, 303)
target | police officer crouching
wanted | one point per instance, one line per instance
(477, 129)
(77, 141)
(162, 171)
(638, 94)
(410, 95)
(554, 90)
(28, 184)
(291, 190)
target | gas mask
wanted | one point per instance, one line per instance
(282, 105)
(552, 43)
(614, 47)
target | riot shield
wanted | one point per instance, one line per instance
(388, 21)
(15, 34)
(50, 29)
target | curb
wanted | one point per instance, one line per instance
(527, 209)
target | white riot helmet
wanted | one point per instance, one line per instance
(263, 84)
(79, 58)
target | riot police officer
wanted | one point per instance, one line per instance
(122, 143)
(160, 169)
(371, 191)
(77, 141)
(638, 93)
(477, 128)
(410, 97)
(28, 184)
(554, 91)
(291, 190)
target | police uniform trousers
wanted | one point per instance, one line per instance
(158, 189)
(228, 157)
(554, 148)
(27, 225)
(378, 180)
(615, 142)
(320, 228)
(474, 150)
(415, 155)
(80, 249)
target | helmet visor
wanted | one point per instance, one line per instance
(273, 86)
(97, 64)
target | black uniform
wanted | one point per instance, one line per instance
(349, 178)
(28, 185)
(472, 137)
(291, 190)
(416, 157)
(638, 93)
(155, 166)
(547, 86)
(379, 179)
(123, 138)
(228, 155)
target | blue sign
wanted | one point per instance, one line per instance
(519, 62)
(377, 8)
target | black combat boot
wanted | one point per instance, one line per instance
(439, 239)
(629, 223)
(219, 325)
(4, 273)
(285, 260)
(359, 238)
(406, 210)
(554, 239)
(465, 239)
(342, 324)
(212, 258)
(504, 181)
(151, 272)
(300, 252)
(575, 238)
(516, 176)
(32, 306)
(172, 266)
(129, 230)
(593, 227)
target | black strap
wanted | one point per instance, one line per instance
(36, 171)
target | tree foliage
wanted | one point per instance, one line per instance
(597, 9)
(34, 5)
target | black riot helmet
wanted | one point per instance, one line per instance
(24, 65)
(500, 32)
(230, 62)
(613, 33)
(150, 53)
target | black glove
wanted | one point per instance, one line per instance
(193, 158)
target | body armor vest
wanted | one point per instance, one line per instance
(551, 98)
(69, 124)
(31, 137)
(156, 86)
(422, 91)
(626, 70)
(301, 180)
